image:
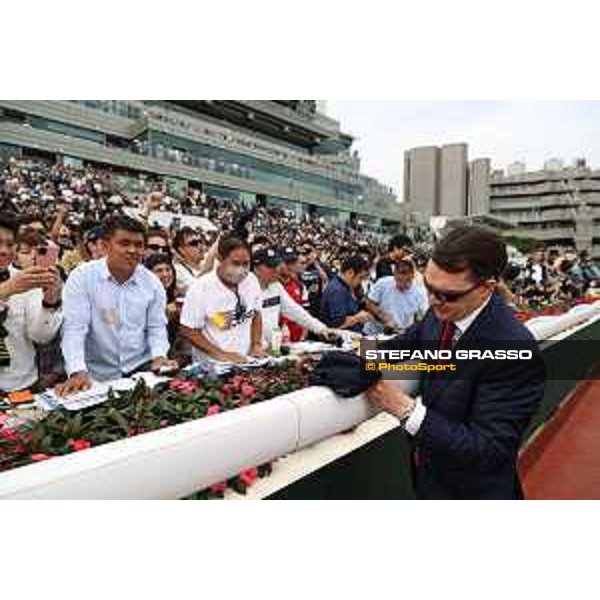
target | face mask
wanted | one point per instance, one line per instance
(235, 275)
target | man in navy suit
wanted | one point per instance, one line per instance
(467, 431)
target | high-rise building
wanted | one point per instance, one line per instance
(479, 187)
(421, 181)
(436, 180)
(453, 180)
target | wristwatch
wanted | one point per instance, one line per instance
(55, 306)
(404, 418)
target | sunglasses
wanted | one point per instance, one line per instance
(194, 243)
(447, 297)
(158, 248)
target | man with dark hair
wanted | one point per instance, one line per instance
(399, 247)
(467, 431)
(314, 279)
(221, 315)
(191, 258)
(115, 321)
(291, 279)
(398, 301)
(30, 312)
(276, 302)
(339, 305)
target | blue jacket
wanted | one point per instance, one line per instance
(468, 443)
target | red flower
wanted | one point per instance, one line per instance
(9, 435)
(219, 488)
(249, 476)
(248, 390)
(78, 445)
(39, 457)
(213, 410)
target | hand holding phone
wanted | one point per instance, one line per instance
(46, 256)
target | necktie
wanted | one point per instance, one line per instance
(447, 337)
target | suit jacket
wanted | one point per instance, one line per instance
(468, 442)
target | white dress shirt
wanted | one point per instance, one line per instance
(110, 329)
(27, 322)
(416, 418)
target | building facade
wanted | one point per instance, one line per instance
(279, 152)
(560, 207)
(436, 181)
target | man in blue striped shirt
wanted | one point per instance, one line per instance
(114, 313)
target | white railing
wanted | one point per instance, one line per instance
(175, 462)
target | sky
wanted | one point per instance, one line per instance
(504, 131)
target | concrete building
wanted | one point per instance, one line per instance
(436, 180)
(560, 208)
(421, 182)
(479, 187)
(453, 180)
(280, 152)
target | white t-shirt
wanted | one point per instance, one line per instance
(185, 275)
(275, 302)
(210, 306)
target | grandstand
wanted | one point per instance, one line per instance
(275, 153)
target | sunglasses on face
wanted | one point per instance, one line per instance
(449, 296)
(158, 248)
(194, 243)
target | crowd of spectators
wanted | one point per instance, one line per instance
(92, 288)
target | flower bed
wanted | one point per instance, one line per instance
(137, 411)
(525, 312)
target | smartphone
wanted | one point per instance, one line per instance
(46, 256)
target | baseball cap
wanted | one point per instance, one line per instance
(94, 234)
(289, 254)
(266, 256)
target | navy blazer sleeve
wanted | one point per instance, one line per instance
(501, 409)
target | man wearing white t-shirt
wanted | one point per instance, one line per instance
(221, 315)
(276, 301)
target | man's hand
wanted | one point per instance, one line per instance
(173, 311)
(329, 336)
(363, 317)
(388, 396)
(77, 382)
(28, 279)
(52, 292)
(258, 351)
(151, 203)
(163, 365)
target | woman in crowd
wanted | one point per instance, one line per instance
(28, 240)
(162, 267)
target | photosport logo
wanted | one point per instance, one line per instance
(415, 359)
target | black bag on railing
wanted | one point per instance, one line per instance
(344, 373)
